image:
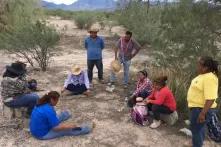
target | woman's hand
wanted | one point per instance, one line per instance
(202, 117)
(146, 101)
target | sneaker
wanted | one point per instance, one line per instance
(155, 124)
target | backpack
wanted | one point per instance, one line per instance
(214, 128)
(139, 114)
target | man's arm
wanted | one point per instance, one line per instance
(85, 43)
(116, 48)
(137, 48)
(102, 44)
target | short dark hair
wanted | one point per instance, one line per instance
(129, 33)
(210, 63)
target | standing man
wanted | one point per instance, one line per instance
(127, 48)
(94, 46)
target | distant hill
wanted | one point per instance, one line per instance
(83, 5)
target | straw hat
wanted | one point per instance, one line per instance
(76, 70)
(93, 29)
(115, 66)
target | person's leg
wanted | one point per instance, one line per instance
(90, 67)
(197, 129)
(131, 102)
(112, 77)
(25, 100)
(72, 132)
(99, 65)
(126, 65)
(63, 116)
(159, 109)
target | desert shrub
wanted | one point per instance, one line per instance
(84, 21)
(178, 34)
(66, 15)
(25, 35)
(33, 42)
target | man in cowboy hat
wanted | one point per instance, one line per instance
(125, 50)
(94, 46)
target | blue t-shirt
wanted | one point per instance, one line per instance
(43, 119)
(94, 48)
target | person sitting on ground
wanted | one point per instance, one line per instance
(45, 124)
(77, 82)
(143, 88)
(161, 100)
(14, 92)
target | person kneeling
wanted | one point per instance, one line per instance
(161, 101)
(143, 88)
(45, 124)
(77, 82)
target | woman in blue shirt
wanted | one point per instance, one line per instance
(45, 124)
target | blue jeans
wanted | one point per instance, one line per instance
(198, 129)
(70, 132)
(25, 100)
(126, 65)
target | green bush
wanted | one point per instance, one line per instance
(178, 34)
(84, 21)
(33, 42)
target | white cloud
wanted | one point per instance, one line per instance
(67, 2)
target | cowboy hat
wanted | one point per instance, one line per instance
(93, 30)
(115, 66)
(76, 70)
(16, 68)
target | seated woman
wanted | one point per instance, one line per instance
(14, 92)
(45, 124)
(160, 101)
(143, 88)
(77, 82)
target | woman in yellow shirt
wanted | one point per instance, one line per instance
(201, 98)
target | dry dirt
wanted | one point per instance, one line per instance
(113, 125)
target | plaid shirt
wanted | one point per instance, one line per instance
(127, 48)
(145, 85)
(12, 87)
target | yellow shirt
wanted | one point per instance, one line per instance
(203, 87)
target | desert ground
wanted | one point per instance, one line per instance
(108, 110)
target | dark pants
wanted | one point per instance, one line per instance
(198, 129)
(25, 100)
(76, 89)
(131, 102)
(90, 65)
(158, 109)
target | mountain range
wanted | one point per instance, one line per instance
(83, 5)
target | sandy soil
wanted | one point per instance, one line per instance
(113, 125)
